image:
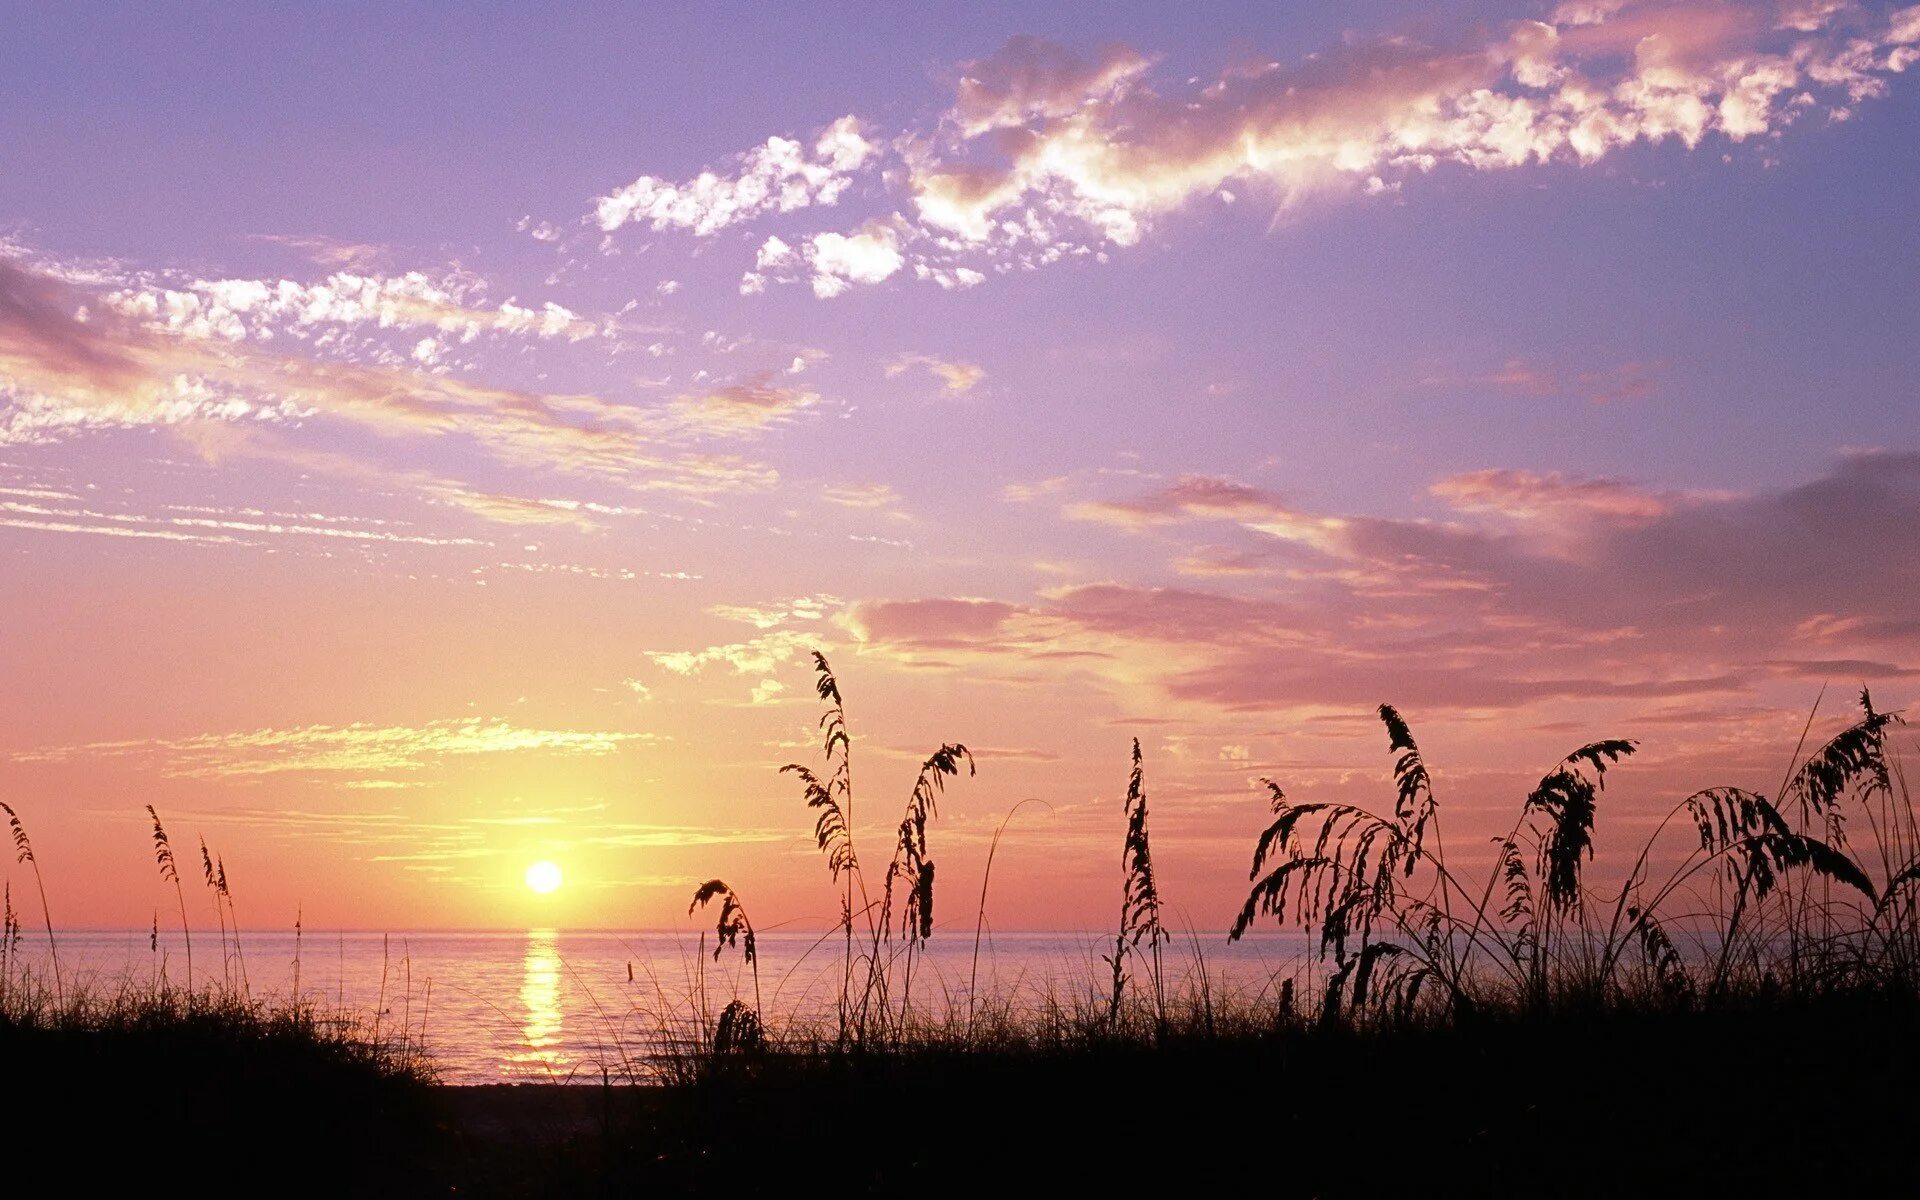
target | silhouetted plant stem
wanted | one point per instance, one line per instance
(832, 800)
(170, 873)
(980, 914)
(23, 854)
(1139, 899)
(732, 929)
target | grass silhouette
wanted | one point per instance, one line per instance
(1742, 1009)
(275, 1097)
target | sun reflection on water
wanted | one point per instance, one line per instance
(540, 1024)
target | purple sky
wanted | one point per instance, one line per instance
(432, 437)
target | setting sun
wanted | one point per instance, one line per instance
(544, 877)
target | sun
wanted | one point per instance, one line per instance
(543, 877)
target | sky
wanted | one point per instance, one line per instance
(434, 438)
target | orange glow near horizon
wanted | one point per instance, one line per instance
(1206, 382)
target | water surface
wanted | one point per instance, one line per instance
(547, 1005)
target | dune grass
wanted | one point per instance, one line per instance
(1810, 894)
(1742, 1007)
(1767, 1094)
(270, 1096)
(1741, 1010)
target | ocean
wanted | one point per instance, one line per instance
(557, 1006)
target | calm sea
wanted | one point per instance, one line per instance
(546, 1005)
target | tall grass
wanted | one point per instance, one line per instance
(832, 802)
(1139, 900)
(23, 855)
(35, 1006)
(9, 939)
(1769, 896)
(912, 871)
(1811, 891)
(732, 928)
(980, 912)
(1774, 892)
(868, 977)
(170, 873)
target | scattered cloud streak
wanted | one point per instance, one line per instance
(1047, 155)
(357, 749)
(69, 366)
(778, 176)
(957, 378)
(1650, 594)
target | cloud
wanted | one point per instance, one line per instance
(40, 336)
(780, 175)
(800, 609)
(1611, 385)
(1839, 668)
(747, 407)
(1530, 495)
(932, 622)
(261, 309)
(1201, 497)
(69, 365)
(326, 251)
(841, 260)
(1025, 493)
(1241, 653)
(1192, 496)
(756, 656)
(66, 366)
(1652, 595)
(1094, 145)
(504, 509)
(238, 529)
(398, 837)
(12, 518)
(762, 657)
(957, 377)
(1046, 155)
(861, 495)
(831, 262)
(1031, 77)
(335, 748)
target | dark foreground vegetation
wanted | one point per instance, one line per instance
(1764, 1095)
(1761, 1098)
(155, 1090)
(1740, 1012)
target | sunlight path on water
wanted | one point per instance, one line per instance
(542, 1022)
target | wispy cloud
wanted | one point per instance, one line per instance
(861, 495)
(263, 309)
(1652, 594)
(1533, 496)
(1094, 145)
(326, 251)
(68, 366)
(780, 175)
(1529, 377)
(1047, 155)
(756, 656)
(746, 407)
(358, 749)
(956, 377)
(232, 529)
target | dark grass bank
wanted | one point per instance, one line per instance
(1758, 1098)
(156, 1092)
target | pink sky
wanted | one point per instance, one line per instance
(426, 449)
